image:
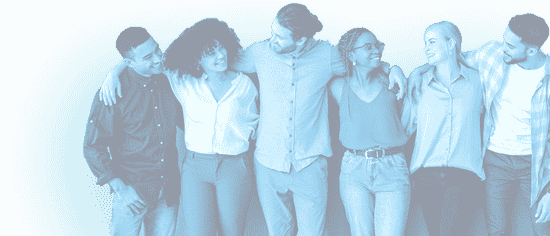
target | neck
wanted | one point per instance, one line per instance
(361, 72)
(217, 75)
(447, 71)
(533, 62)
(298, 49)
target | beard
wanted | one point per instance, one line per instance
(279, 50)
(513, 60)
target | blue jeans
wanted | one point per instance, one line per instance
(160, 220)
(507, 174)
(294, 198)
(375, 193)
(214, 187)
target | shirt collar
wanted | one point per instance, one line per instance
(134, 76)
(430, 75)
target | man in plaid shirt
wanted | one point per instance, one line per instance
(515, 76)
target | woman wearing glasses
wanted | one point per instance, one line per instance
(446, 165)
(374, 179)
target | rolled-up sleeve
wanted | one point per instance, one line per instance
(99, 133)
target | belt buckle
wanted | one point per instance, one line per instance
(377, 151)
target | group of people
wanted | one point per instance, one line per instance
(479, 115)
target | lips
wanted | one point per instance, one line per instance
(220, 62)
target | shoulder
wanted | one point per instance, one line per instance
(258, 46)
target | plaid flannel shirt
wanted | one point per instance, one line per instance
(488, 60)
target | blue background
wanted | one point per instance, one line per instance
(57, 53)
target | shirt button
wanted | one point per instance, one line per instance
(292, 84)
(290, 151)
(91, 121)
(293, 57)
(155, 107)
(151, 90)
(291, 101)
(291, 135)
(160, 142)
(161, 159)
(293, 64)
(161, 177)
(290, 118)
(293, 68)
(144, 85)
(158, 125)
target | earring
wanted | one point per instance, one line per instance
(353, 63)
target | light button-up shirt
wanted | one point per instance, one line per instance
(222, 127)
(447, 121)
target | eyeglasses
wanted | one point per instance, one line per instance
(369, 46)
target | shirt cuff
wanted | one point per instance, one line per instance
(105, 178)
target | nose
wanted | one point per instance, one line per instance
(157, 57)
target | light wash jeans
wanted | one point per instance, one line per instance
(295, 198)
(160, 220)
(375, 193)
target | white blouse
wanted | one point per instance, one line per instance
(222, 127)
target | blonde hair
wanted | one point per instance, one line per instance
(449, 31)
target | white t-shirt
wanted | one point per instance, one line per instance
(511, 112)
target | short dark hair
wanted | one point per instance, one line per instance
(129, 39)
(532, 29)
(183, 55)
(298, 19)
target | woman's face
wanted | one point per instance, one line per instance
(435, 46)
(367, 51)
(215, 60)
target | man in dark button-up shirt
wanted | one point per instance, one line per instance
(141, 164)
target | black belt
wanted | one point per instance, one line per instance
(377, 152)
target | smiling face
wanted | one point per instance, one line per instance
(367, 52)
(214, 60)
(514, 50)
(436, 47)
(281, 41)
(146, 58)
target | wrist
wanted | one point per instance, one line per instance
(117, 184)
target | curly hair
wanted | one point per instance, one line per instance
(346, 43)
(184, 53)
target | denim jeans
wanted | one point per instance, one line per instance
(214, 187)
(160, 220)
(446, 196)
(375, 193)
(507, 174)
(295, 198)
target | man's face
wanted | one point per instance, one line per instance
(514, 50)
(281, 41)
(147, 58)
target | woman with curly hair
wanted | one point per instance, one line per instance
(220, 116)
(374, 178)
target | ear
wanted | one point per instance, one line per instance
(351, 56)
(301, 41)
(129, 62)
(531, 51)
(451, 46)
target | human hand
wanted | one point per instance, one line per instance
(543, 209)
(131, 200)
(110, 86)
